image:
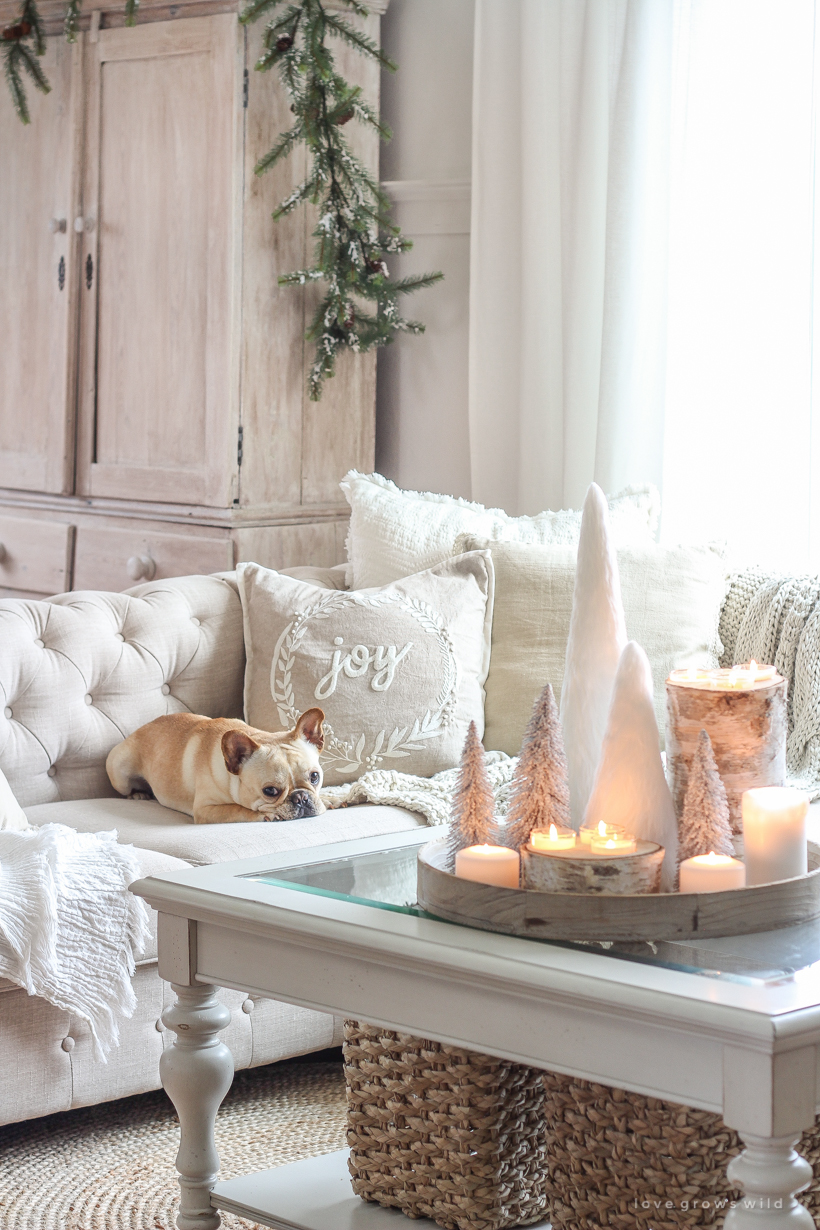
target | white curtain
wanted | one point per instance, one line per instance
(571, 138)
(643, 254)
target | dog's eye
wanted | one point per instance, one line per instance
(271, 792)
(314, 778)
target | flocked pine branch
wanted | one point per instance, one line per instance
(23, 44)
(353, 234)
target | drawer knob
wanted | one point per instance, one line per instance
(141, 568)
(57, 226)
(83, 224)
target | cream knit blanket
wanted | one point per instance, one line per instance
(776, 619)
(431, 797)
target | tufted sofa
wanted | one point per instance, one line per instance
(78, 673)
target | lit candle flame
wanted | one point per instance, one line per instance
(602, 828)
(752, 665)
(553, 833)
(610, 844)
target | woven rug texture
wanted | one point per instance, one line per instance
(111, 1167)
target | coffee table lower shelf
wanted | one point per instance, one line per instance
(314, 1194)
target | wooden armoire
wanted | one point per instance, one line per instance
(154, 416)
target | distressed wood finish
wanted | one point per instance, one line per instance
(35, 555)
(589, 916)
(748, 733)
(160, 162)
(570, 872)
(102, 555)
(37, 322)
(173, 374)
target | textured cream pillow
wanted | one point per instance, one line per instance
(394, 533)
(399, 670)
(672, 598)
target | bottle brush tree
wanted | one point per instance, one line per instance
(540, 790)
(473, 818)
(704, 826)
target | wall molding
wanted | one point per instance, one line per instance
(430, 206)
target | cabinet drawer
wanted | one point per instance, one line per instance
(35, 556)
(117, 559)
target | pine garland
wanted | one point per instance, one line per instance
(354, 234)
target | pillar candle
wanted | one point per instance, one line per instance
(774, 833)
(711, 873)
(489, 865)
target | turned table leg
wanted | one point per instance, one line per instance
(196, 1073)
(770, 1173)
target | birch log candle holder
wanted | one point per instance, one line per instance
(582, 870)
(743, 710)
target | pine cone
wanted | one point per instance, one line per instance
(343, 119)
(13, 33)
(377, 265)
(284, 43)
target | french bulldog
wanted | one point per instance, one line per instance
(222, 771)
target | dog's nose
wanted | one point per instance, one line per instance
(301, 800)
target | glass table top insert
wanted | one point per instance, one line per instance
(387, 879)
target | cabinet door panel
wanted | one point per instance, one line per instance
(38, 300)
(161, 174)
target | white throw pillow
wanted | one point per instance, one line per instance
(12, 815)
(398, 670)
(672, 598)
(394, 533)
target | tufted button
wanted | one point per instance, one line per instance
(40, 644)
(52, 772)
(159, 1027)
(118, 636)
(67, 1043)
(166, 689)
(248, 1005)
(89, 699)
(196, 622)
(7, 711)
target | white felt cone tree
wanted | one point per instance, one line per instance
(473, 819)
(540, 791)
(630, 786)
(597, 635)
(704, 824)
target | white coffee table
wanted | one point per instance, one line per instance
(731, 1026)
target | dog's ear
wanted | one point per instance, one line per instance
(236, 748)
(309, 727)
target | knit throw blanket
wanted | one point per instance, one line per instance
(70, 931)
(776, 619)
(431, 797)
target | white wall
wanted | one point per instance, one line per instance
(421, 424)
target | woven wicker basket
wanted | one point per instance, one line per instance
(439, 1131)
(477, 1143)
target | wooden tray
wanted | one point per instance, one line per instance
(648, 916)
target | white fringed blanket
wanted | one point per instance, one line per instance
(70, 931)
(776, 619)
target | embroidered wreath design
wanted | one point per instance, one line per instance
(347, 756)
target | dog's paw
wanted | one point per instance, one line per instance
(140, 794)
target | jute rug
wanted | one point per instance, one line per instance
(111, 1167)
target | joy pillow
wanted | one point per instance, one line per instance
(398, 670)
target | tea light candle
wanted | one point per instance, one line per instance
(726, 679)
(622, 843)
(556, 839)
(587, 831)
(489, 865)
(774, 833)
(711, 873)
